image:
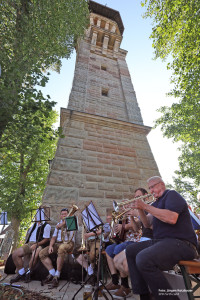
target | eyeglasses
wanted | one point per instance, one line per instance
(152, 186)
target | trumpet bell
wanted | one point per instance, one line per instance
(115, 206)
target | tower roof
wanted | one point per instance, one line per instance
(108, 13)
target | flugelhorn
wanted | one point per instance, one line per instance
(131, 200)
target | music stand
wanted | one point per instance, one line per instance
(3, 220)
(92, 221)
(91, 218)
(42, 214)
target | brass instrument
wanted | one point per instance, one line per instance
(71, 212)
(131, 200)
(83, 247)
(116, 216)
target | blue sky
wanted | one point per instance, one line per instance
(151, 80)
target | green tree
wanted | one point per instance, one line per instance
(186, 189)
(28, 143)
(34, 35)
(176, 35)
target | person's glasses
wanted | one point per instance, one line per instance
(152, 186)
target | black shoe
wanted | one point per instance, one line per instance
(48, 279)
(27, 277)
(54, 283)
(17, 278)
(92, 279)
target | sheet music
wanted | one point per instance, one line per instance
(91, 217)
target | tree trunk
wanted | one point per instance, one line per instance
(15, 223)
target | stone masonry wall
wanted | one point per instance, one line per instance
(99, 160)
(90, 79)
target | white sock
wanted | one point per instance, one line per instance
(22, 271)
(57, 273)
(90, 270)
(52, 272)
(28, 271)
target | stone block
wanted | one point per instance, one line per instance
(64, 164)
(58, 178)
(93, 178)
(71, 142)
(90, 193)
(70, 153)
(103, 172)
(106, 186)
(62, 196)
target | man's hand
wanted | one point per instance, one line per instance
(50, 249)
(139, 204)
(133, 213)
(118, 228)
(87, 235)
(33, 247)
(60, 225)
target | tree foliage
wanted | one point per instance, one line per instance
(176, 35)
(28, 143)
(34, 34)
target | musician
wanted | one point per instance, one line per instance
(173, 240)
(62, 242)
(120, 260)
(106, 231)
(81, 259)
(132, 235)
(38, 237)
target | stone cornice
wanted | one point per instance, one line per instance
(67, 114)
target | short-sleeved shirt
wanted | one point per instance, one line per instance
(46, 233)
(106, 229)
(67, 234)
(183, 229)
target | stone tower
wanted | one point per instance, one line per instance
(105, 154)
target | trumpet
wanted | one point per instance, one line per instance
(116, 216)
(131, 200)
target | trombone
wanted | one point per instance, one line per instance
(83, 247)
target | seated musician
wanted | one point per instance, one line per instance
(81, 259)
(132, 235)
(173, 240)
(38, 237)
(120, 260)
(62, 242)
(92, 240)
(106, 232)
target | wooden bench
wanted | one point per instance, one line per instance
(190, 270)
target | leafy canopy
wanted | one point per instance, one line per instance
(176, 35)
(34, 35)
(27, 145)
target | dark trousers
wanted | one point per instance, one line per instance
(147, 260)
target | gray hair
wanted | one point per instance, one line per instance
(157, 178)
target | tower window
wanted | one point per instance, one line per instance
(104, 92)
(103, 67)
